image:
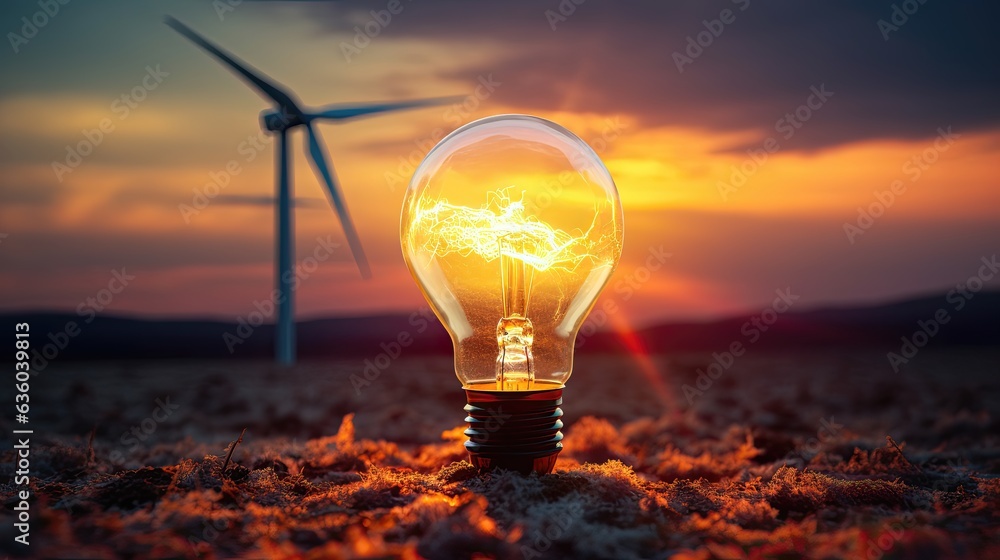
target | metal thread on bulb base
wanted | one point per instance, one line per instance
(514, 430)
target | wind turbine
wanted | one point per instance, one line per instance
(288, 114)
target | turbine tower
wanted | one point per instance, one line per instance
(288, 114)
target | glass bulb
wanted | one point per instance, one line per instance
(511, 226)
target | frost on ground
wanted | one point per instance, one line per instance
(827, 456)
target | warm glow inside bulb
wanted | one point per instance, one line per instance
(512, 226)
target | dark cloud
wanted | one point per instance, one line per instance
(129, 197)
(55, 252)
(939, 68)
(748, 257)
(33, 194)
(251, 200)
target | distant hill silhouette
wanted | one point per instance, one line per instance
(67, 336)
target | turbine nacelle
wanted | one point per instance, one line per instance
(276, 121)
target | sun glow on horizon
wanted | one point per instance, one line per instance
(120, 205)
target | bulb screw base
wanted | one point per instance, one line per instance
(514, 430)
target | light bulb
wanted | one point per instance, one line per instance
(511, 227)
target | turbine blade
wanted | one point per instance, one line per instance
(265, 86)
(343, 111)
(317, 154)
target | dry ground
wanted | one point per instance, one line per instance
(785, 455)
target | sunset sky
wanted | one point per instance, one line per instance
(871, 104)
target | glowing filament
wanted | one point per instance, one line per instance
(501, 228)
